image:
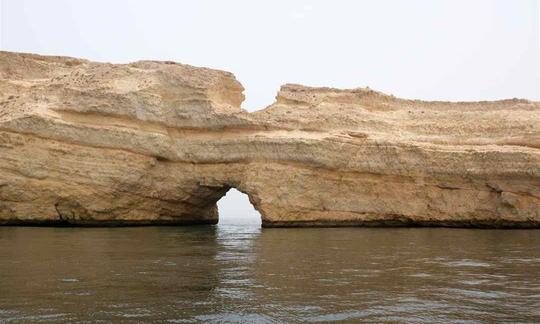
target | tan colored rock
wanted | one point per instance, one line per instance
(160, 143)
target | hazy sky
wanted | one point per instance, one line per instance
(447, 49)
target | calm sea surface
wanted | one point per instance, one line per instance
(241, 273)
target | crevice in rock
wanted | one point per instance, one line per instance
(60, 216)
(448, 187)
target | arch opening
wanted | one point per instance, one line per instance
(234, 208)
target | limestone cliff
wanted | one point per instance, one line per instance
(160, 143)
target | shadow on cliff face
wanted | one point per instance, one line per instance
(236, 209)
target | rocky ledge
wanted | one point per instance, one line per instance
(85, 143)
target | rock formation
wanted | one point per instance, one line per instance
(149, 142)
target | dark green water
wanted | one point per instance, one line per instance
(243, 273)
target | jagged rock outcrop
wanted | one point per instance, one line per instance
(160, 143)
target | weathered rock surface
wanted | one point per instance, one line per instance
(160, 143)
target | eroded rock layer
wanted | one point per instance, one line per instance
(90, 143)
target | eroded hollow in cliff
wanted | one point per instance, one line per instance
(235, 208)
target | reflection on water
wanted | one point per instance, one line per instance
(240, 273)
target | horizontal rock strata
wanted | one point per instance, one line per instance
(85, 143)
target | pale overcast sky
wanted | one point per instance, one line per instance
(426, 49)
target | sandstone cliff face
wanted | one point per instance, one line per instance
(160, 143)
